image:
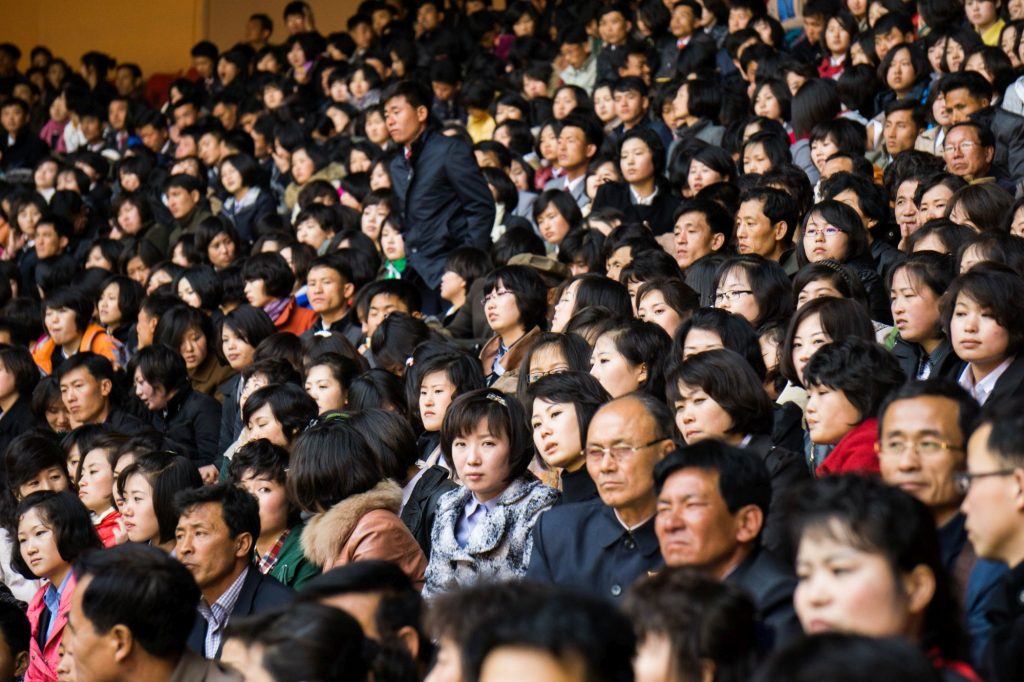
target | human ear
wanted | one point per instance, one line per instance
(750, 522)
(919, 585)
(120, 638)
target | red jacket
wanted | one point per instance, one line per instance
(107, 526)
(855, 452)
(42, 663)
(295, 319)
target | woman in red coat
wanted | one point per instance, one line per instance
(847, 381)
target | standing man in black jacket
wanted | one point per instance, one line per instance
(440, 190)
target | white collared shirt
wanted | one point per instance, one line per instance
(981, 390)
(643, 201)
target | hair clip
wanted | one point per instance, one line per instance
(323, 333)
(409, 361)
(498, 399)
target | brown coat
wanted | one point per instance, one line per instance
(365, 526)
(208, 377)
(507, 382)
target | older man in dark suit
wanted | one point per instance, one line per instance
(602, 546)
(712, 503)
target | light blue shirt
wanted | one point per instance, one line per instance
(52, 600)
(472, 514)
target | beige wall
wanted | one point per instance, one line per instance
(227, 18)
(156, 34)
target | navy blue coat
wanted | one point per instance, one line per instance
(583, 546)
(260, 593)
(444, 199)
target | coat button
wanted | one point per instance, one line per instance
(616, 590)
(629, 544)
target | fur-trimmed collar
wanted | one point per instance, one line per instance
(326, 533)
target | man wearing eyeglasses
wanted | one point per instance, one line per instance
(921, 433)
(994, 506)
(602, 546)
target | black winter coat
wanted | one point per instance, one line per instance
(444, 199)
(192, 423)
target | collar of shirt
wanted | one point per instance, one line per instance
(982, 389)
(474, 504)
(572, 185)
(53, 594)
(217, 614)
(642, 201)
(633, 527)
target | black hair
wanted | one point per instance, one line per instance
(596, 290)
(843, 279)
(563, 624)
(18, 362)
(770, 285)
(75, 300)
(528, 289)
(968, 410)
(995, 288)
(844, 218)
(876, 518)
(731, 382)
(252, 325)
(167, 473)
(644, 343)
(815, 102)
(840, 318)
(70, 522)
(572, 347)
(130, 583)
(395, 338)
(504, 416)
(461, 369)
(330, 462)
(734, 331)
(272, 268)
(864, 371)
(239, 509)
(842, 657)
(705, 621)
(998, 247)
(775, 147)
(291, 406)
(578, 388)
(985, 204)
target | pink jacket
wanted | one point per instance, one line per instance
(42, 664)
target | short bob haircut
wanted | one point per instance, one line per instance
(781, 92)
(129, 296)
(72, 527)
(730, 381)
(863, 370)
(644, 343)
(207, 231)
(950, 235)
(504, 417)
(167, 474)
(461, 369)
(395, 339)
(879, 519)
(205, 283)
(654, 144)
(776, 148)
(841, 318)
(161, 367)
(248, 167)
(986, 205)
(583, 248)
(528, 289)
(377, 388)
(928, 269)
(292, 407)
(734, 331)
(842, 278)
(770, 285)
(18, 362)
(715, 158)
(677, 294)
(272, 268)
(391, 438)
(178, 321)
(578, 388)
(997, 247)
(29, 454)
(596, 290)
(252, 325)
(331, 462)
(573, 349)
(563, 203)
(75, 300)
(846, 219)
(997, 289)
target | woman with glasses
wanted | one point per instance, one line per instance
(833, 231)
(516, 305)
(754, 288)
